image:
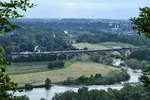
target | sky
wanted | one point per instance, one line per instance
(99, 9)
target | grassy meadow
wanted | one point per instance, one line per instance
(75, 70)
(32, 67)
(103, 45)
(26, 66)
(88, 45)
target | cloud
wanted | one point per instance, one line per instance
(86, 8)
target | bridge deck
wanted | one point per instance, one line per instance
(65, 52)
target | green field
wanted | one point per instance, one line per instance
(88, 45)
(116, 44)
(75, 70)
(29, 63)
(32, 67)
(103, 45)
(27, 66)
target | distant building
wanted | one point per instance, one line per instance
(54, 35)
(66, 32)
(37, 49)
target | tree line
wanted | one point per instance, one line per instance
(138, 59)
(128, 92)
(111, 78)
(47, 41)
(109, 37)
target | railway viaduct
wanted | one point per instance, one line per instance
(78, 53)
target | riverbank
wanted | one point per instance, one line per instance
(113, 77)
(49, 94)
(33, 86)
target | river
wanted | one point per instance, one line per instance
(38, 93)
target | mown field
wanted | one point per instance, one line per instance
(27, 66)
(116, 44)
(75, 70)
(103, 45)
(32, 67)
(88, 45)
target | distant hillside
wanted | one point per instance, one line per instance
(59, 34)
(93, 25)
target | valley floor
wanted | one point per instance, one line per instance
(103, 45)
(75, 70)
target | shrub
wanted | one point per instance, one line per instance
(69, 81)
(42, 99)
(22, 98)
(85, 48)
(133, 63)
(108, 61)
(51, 65)
(56, 64)
(47, 83)
(140, 54)
(98, 76)
(28, 86)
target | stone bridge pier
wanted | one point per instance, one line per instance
(79, 56)
(89, 55)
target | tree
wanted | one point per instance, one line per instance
(22, 98)
(142, 26)
(145, 78)
(8, 11)
(133, 63)
(98, 76)
(56, 64)
(142, 23)
(47, 83)
(5, 83)
(42, 99)
(28, 86)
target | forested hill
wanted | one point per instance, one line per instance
(32, 34)
(58, 34)
(93, 25)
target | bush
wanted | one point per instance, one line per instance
(98, 76)
(108, 61)
(56, 64)
(144, 64)
(112, 78)
(82, 79)
(85, 48)
(51, 65)
(22, 98)
(28, 87)
(47, 83)
(116, 76)
(140, 54)
(59, 64)
(69, 81)
(133, 63)
(42, 99)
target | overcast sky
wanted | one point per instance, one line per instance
(106, 9)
